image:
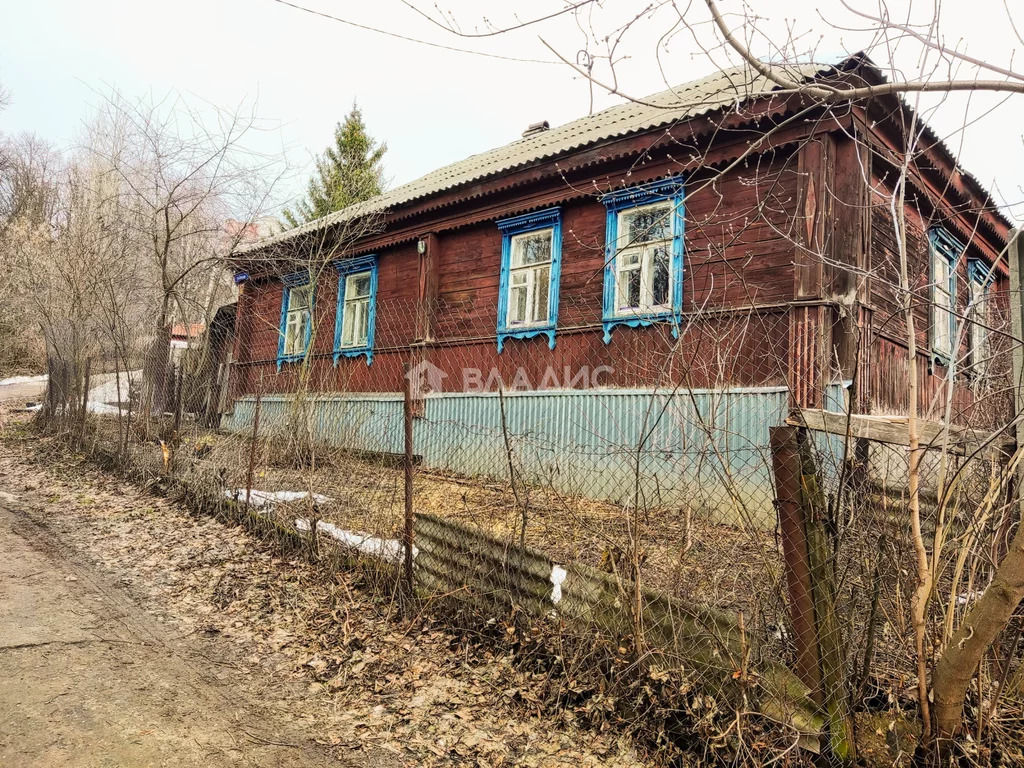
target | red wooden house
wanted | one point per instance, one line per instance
(664, 279)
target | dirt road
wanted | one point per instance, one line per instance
(134, 633)
(88, 679)
(18, 393)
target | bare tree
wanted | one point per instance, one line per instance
(182, 174)
(30, 174)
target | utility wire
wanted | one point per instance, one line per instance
(502, 30)
(412, 39)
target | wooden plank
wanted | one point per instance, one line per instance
(845, 284)
(464, 562)
(893, 430)
(428, 287)
(814, 215)
(1015, 256)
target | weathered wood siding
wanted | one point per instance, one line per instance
(739, 278)
(970, 402)
(791, 274)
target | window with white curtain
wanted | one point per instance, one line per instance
(944, 250)
(529, 281)
(643, 259)
(977, 314)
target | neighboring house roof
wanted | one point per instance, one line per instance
(722, 89)
(224, 319)
(190, 331)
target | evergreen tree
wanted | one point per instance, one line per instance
(349, 171)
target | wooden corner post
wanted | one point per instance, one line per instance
(1015, 257)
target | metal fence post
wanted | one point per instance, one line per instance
(85, 392)
(408, 537)
(179, 394)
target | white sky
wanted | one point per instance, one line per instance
(432, 106)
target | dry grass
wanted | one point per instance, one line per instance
(369, 686)
(683, 554)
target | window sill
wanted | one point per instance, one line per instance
(286, 359)
(937, 361)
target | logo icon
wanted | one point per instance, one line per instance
(425, 378)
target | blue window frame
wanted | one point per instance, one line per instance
(643, 269)
(357, 308)
(944, 250)
(531, 266)
(296, 327)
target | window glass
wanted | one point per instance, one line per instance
(358, 286)
(532, 248)
(942, 302)
(660, 259)
(529, 283)
(629, 280)
(644, 224)
(643, 264)
(356, 312)
(978, 315)
(297, 322)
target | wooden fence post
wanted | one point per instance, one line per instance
(789, 500)
(408, 537)
(811, 586)
(252, 449)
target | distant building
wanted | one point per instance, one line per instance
(184, 336)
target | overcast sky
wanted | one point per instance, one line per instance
(431, 105)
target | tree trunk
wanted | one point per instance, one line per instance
(154, 373)
(967, 647)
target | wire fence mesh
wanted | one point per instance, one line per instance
(622, 479)
(580, 451)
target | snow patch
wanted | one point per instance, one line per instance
(267, 499)
(103, 409)
(22, 380)
(388, 550)
(106, 393)
(966, 598)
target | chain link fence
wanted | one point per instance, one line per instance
(618, 503)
